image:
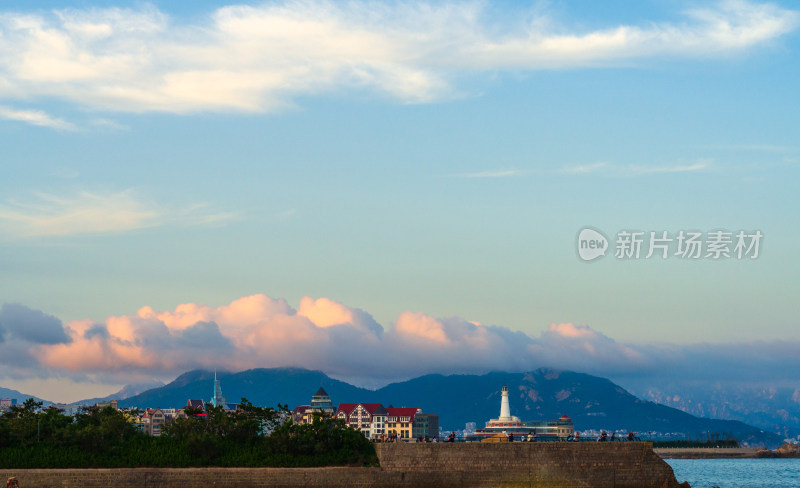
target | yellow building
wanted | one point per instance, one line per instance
(401, 420)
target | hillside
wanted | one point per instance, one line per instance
(20, 397)
(268, 387)
(772, 408)
(591, 402)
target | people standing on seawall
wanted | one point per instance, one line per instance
(613, 436)
(630, 435)
(603, 437)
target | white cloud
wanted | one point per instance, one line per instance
(768, 148)
(95, 213)
(679, 168)
(260, 58)
(108, 124)
(260, 331)
(35, 117)
(634, 169)
(491, 174)
(584, 168)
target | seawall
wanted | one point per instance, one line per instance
(434, 465)
(556, 464)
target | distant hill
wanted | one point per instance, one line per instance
(126, 392)
(267, 387)
(21, 397)
(592, 402)
(773, 408)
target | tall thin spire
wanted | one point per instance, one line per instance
(217, 400)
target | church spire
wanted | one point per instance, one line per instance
(217, 400)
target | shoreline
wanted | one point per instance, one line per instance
(787, 451)
(706, 452)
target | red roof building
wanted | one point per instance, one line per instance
(401, 420)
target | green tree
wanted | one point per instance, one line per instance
(102, 428)
(251, 422)
(22, 422)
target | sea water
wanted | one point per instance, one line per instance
(737, 473)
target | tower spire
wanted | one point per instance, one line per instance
(217, 400)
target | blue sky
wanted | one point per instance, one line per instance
(393, 158)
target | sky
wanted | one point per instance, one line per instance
(385, 189)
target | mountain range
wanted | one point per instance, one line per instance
(592, 402)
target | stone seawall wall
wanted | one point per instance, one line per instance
(435, 465)
(611, 464)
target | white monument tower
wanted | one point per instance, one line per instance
(505, 410)
(506, 419)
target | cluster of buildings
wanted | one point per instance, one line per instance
(373, 420)
(7, 403)
(152, 420)
(376, 422)
(563, 428)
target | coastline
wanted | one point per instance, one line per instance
(786, 451)
(706, 452)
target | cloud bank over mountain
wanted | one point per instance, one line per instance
(345, 342)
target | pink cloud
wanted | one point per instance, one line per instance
(346, 342)
(324, 312)
(570, 330)
(418, 326)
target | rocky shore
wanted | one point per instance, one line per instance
(706, 452)
(785, 451)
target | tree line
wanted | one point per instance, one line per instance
(251, 436)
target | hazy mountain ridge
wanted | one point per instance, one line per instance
(21, 397)
(772, 408)
(127, 391)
